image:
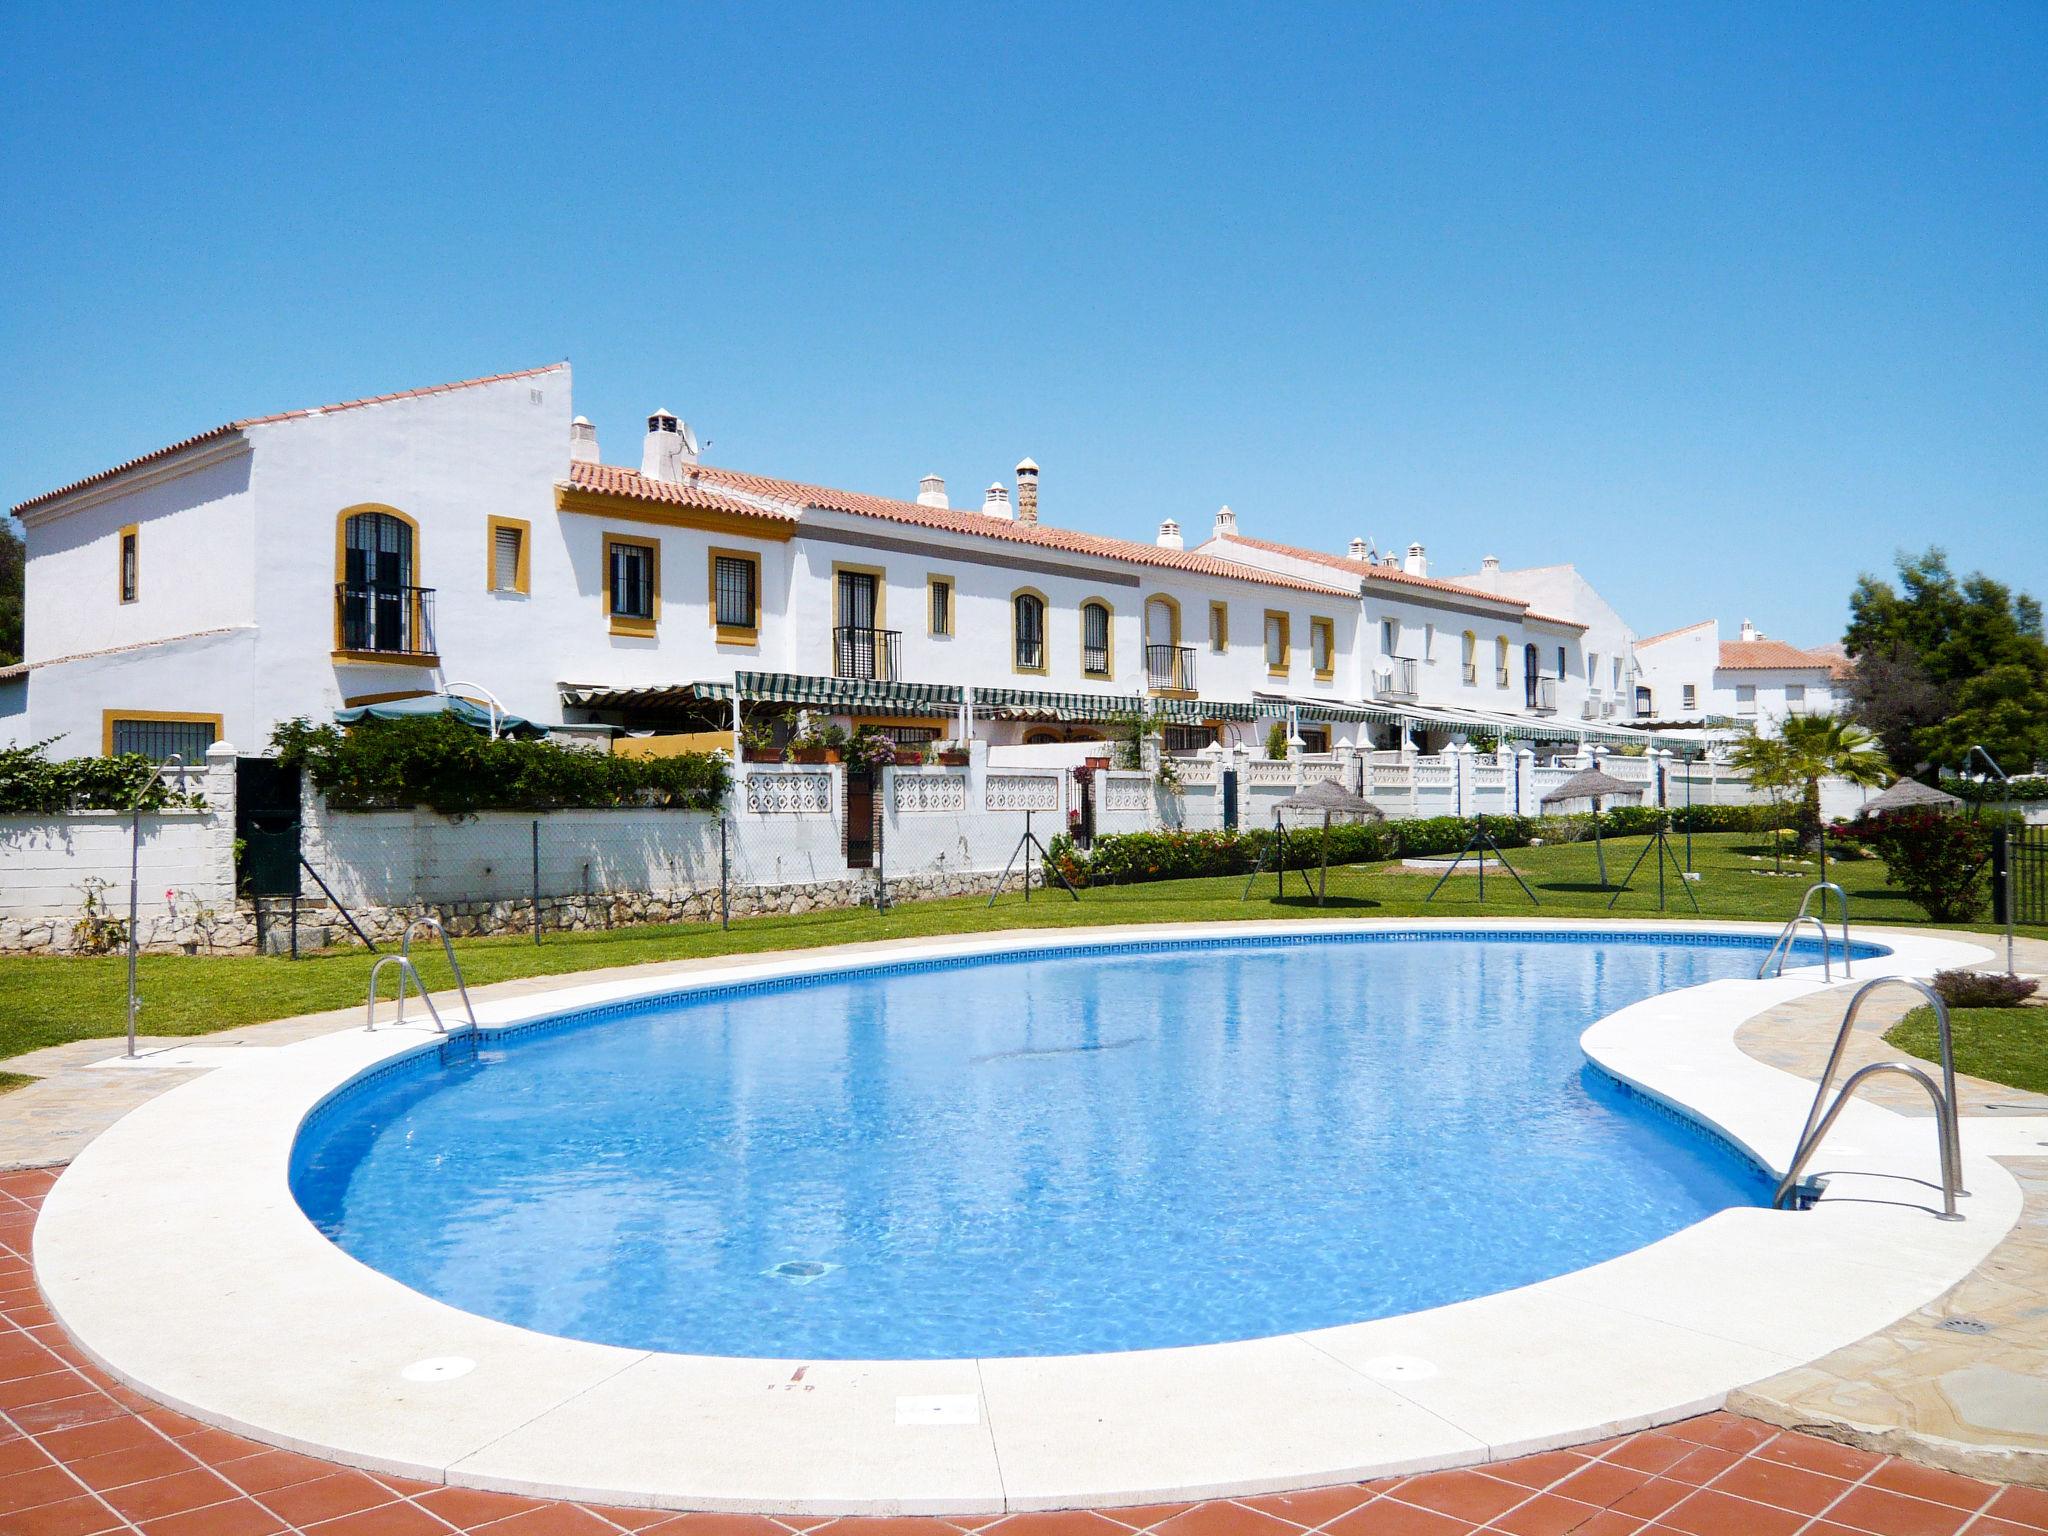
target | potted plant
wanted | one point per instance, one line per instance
(815, 742)
(953, 754)
(757, 743)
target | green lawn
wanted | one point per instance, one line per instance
(48, 999)
(2000, 1045)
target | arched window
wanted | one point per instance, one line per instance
(1532, 672)
(1027, 611)
(381, 605)
(1095, 657)
(1500, 661)
(1468, 657)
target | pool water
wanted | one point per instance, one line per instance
(1043, 1155)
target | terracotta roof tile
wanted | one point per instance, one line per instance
(1366, 570)
(956, 520)
(692, 493)
(263, 421)
(1768, 655)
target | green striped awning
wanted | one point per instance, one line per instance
(1340, 714)
(1044, 704)
(852, 695)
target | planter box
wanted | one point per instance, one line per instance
(762, 755)
(953, 759)
(815, 755)
(909, 759)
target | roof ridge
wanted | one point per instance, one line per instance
(243, 422)
(1682, 629)
(1371, 571)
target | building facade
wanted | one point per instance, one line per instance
(1692, 677)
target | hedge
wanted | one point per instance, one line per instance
(32, 783)
(437, 761)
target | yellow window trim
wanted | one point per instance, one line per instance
(1044, 633)
(1109, 635)
(622, 624)
(132, 531)
(1328, 629)
(1219, 627)
(356, 700)
(931, 623)
(522, 575)
(153, 717)
(881, 575)
(1286, 643)
(419, 566)
(732, 634)
(630, 509)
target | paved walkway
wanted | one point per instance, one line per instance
(81, 1455)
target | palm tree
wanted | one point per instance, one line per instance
(1807, 749)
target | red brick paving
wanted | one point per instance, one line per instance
(81, 1455)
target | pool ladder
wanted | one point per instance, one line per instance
(1818, 1124)
(404, 962)
(1781, 947)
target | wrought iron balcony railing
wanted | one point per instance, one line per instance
(870, 654)
(1396, 679)
(385, 620)
(1170, 668)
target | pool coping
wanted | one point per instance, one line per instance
(174, 1252)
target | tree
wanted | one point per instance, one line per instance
(1942, 663)
(13, 577)
(1807, 749)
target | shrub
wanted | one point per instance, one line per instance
(1937, 859)
(437, 761)
(1983, 989)
(32, 783)
(1276, 741)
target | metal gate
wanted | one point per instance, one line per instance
(266, 827)
(2027, 848)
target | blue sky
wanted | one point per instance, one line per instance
(1722, 303)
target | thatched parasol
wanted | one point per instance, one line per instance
(1331, 799)
(1591, 784)
(1909, 792)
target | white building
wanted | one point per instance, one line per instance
(469, 537)
(1692, 676)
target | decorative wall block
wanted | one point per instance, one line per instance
(1023, 792)
(930, 792)
(789, 794)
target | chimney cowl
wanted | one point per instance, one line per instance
(1358, 550)
(669, 447)
(1490, 563)
(1750, 631)
(582, 441)
(1417, 563)
(1169, 535)
(996, 503)
(931, 491)
(1027, 491)
(1226, 524)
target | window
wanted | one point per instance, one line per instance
(1645, 703)
(509, 556)
(1322, 647)
(1315, 738)
(938, 591)
(1468, 657)
(1188, 738)
(1219, 627)
(1560, 661)
(1095, 657)
(1617, 673)
(1027, 617)
(1500, 661)
(130, 575)
(379, 609)
(736, 596)
(1745, 698)
(1689, 696)
(632, 584)
(1277, 643)
(158, 735)
(1795, 693)
(1390, 636)
(1429, 642)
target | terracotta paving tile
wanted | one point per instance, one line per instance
(122, 1434)
(391, 1520)
(1993, 1526)
(137, 1464)
(1701, 1465)
(170, 1495)
(217, 1446)
(84, 1516)
(1141, 1517)
(473, 1506)
(1652, 1451)
(267, 1471)
(1932, 1484)
(1219, 1517)
(1649, 1500)
(1893, 1514)
(38, 1485)
(1726, 1431)
(1813, 1454)
(1545, 1514)
(1065, 1522)
(240, 1518)
(1470, 1496)
(326, 1498)
(1310, 1507)
(664, 1524)
(22, 1455)
(1611, 1523)
(1602, 1483)
(2022, 1506)
(1770, 1482)
(1538, 1471)
(1707, 1513)
(1391, 1517)
(656, 1519)
(553, 1520)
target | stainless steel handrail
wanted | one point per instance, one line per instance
(1781, 947)
(448, 949)
(1945, 1102)
(405, 968)
(1842, 896)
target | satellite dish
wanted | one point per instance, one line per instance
(689, 438)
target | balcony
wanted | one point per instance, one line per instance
(384, 622)
(1470, 674)
(1396, 680)
(1542, 695)
(1170, 668)
(868, 654)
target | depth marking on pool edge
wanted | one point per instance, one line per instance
(942, 1408)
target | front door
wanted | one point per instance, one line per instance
(267, 826)
(857, 609)
(861, 831)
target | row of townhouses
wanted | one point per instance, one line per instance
(469, 538)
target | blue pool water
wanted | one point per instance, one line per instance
(1045, 1155)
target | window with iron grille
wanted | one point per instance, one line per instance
(908, 735)
(941, 618)
(1095, 640)
(738, 602)
(129, 570)
(1188, 738)
(1219, 626)
(158, 740)
(632, 581)
(1030, 631)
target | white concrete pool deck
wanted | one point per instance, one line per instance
(174, 1252)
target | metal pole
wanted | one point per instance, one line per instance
(724, 885)
(2005, 831)
(134, 885)
(1027, 859)
(536, 879)
(1686, 763)
(295, 920)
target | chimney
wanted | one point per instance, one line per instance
(1226, 524)
(997, 502)
(1357, 551)
(1390, 561)
(1490, 565)
(669, 447)
(1027, 491)
(1417, 564)
(931, 491)
(582, 441)
(1169, 535)
(1749, 631)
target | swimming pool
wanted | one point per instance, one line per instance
(1095, 1149)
